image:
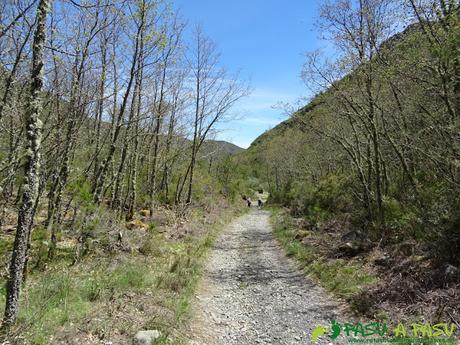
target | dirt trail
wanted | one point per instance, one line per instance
(252, 293)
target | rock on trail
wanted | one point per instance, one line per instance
(251, 293)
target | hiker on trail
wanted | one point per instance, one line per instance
(259, 203)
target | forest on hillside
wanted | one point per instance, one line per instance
(107, 115)
(372, 164)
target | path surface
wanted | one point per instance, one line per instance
(251, 293)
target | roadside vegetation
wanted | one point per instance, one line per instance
(117, 287)
(368, 172)
(347, 279)
(112, 189)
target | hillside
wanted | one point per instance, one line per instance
(369, 173)
(219, 148)
(295, 121)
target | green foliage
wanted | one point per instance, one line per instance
(57, 297)
(331, 194)
(343, 278)
(64, 295)
(318, 202)
(80, 190)
(397, 217)
(64, 292)
(449, 240)
(39, 234)
(322, 162)
(235, 178)
(133, 275)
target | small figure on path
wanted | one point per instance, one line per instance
(259, 203)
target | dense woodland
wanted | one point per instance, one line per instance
(104, 105)
(376, 151)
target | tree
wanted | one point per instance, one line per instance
(215, 92)
(358, 30)
(139, 30)
(168, 58)
(31, 168)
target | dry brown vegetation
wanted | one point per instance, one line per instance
(114, 278)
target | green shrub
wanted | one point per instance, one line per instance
(397, 217)
(80, 190)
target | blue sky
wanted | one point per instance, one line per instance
(265, 40)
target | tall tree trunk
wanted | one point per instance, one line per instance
(156, 145)
(168, 161)
(100, 105)
(132, 196)
(196, 132)
(101, 175)
(192, 169)
(31, 169)
(376, 150)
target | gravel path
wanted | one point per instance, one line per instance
(251, 293)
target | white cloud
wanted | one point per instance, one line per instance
(261, 121)
(265, 99)
(255, 115)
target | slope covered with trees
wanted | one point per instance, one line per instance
(107, 112)
(372, 162)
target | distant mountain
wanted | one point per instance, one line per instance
(218, 149)
(226, 147)
(214, 148)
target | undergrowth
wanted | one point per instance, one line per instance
(345, 279)
(60, 296)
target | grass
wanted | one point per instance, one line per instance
(51, 301)
(345, 279)
(62, 296)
